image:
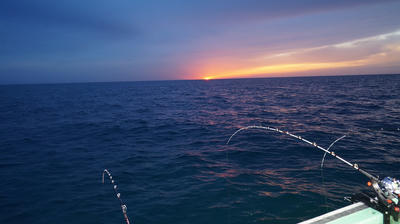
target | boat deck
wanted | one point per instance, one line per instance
(357, 213)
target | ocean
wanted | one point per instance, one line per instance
(165, 144)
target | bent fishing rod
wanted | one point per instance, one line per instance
(314, 144)
(387, 190)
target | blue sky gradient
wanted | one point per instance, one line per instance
(88, 41)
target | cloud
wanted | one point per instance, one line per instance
(71, 15)
(379, 51)
(176, 39)
(233, 11)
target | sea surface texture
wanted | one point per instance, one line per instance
(165, 145)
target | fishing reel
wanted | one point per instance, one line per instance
(387, 190)
(387, 197)
(390, 187)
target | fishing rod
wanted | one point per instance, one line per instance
(123, 206)
(314, 144)
(387, 189)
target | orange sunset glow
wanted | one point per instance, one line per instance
(200, 40)
(360, 54)
(283, 69)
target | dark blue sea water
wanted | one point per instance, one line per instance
(164, 143)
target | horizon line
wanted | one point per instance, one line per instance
(201, 79)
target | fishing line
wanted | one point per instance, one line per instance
(229, 192)
(387, 190)
(314, 144)
(115, 187)
(300, 138)
(322, 172)
(323, 158)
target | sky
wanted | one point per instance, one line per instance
(47, 41)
